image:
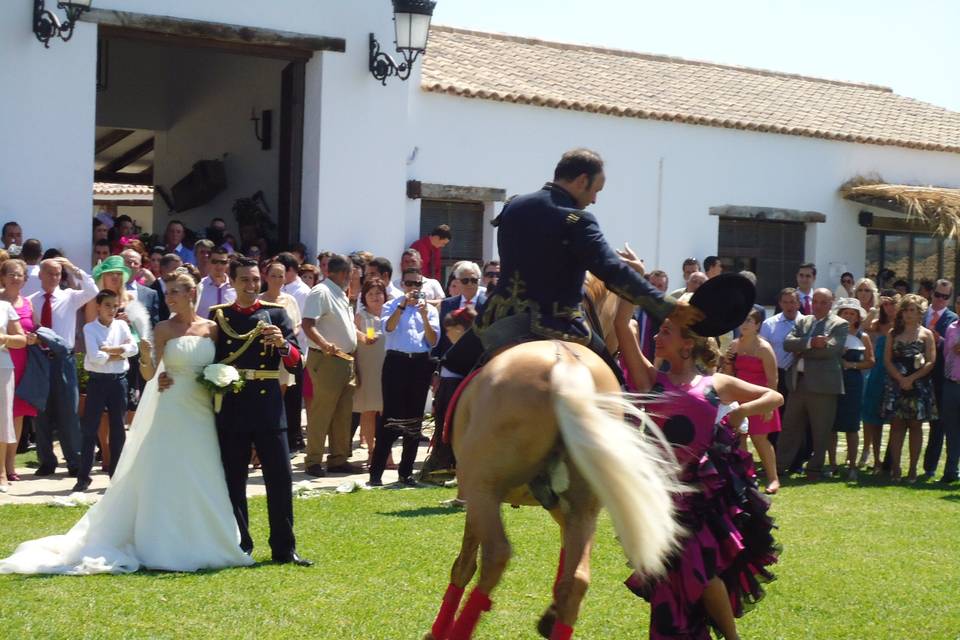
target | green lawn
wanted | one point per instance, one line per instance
(866, 561)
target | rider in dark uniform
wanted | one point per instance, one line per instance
(547, 243)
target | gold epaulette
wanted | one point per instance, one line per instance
(275, 305)
(221, 306)
(572, 218)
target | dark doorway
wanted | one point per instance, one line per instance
(772, 250)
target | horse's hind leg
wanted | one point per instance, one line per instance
(483, 518)
(460, 575)
(580, 526)
(545, 624)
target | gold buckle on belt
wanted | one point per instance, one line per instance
(255, 374)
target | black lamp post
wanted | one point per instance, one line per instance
(46, 25)
(411, 20)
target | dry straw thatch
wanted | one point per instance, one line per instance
(938, 207)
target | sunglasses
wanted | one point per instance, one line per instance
(413, 283)
(469, 280)
(491, 274)
(219, 261)
(941, 296)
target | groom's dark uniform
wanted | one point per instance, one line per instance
(255, 416)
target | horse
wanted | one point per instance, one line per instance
(534, 403)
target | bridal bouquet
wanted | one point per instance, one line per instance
(220, 379)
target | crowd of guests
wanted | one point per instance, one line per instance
(856, 356)
(372, 339)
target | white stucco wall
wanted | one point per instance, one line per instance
(484, 143)
(47, 132)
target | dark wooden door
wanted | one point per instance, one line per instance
(772, 250)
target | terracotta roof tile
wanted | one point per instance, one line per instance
(505, 68)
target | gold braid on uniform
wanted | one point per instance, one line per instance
(248, 338)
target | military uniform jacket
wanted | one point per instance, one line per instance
(546, 246)
(259, 405)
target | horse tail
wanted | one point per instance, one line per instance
(632, 474)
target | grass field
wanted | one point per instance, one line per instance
(861, 561)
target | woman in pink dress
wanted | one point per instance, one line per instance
(751, 358)
(717, 572)
(12, 276)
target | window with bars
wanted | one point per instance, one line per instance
(466, 225)
(771, 250)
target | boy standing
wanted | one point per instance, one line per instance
(108, 343)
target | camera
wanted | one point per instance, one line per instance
(420, 295)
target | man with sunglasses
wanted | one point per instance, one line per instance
(937, 318)
(491, 275)
(215, 287)
(468, 273)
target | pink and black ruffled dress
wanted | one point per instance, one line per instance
(729, 533)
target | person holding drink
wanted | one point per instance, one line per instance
(368, 397)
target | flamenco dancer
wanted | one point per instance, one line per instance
(717, 572)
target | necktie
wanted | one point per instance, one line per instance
(219, 295)
(806, 305)
(934, 316)
(818, 328)
(46, 314)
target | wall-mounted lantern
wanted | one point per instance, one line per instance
(411, 20)
(46, 25)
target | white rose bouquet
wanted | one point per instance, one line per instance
(220, 379)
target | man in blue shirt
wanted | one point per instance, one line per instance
(174, 238)
(775, 330)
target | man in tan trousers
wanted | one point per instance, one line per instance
(332, 337)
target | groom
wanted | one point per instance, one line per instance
(255, 416)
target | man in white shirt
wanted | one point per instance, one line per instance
(332, 337)
(382, 269)
(806, 278)
(56, 309)
(215, 287)
(433, 289)
(30, 253)
(293, 285)
(12, 234)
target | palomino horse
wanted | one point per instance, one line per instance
(529, 404)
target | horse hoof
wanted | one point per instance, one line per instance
(545, 625)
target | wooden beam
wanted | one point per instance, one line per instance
(107, 140)
(239, 39)
(880, 203)
(427, 190)
(885, 223)
(124, 178)
(129, 157)
(771, 214)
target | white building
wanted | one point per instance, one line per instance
(701, 158)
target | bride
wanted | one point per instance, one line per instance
(167, 506)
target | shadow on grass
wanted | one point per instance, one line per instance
(421, 511)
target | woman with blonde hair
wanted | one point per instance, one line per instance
(868, 296)
(167, 507)
(908, 398)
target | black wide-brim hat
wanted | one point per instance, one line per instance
(725, 301)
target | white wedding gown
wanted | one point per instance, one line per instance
(167, 507)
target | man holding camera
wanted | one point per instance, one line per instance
(411, 331)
